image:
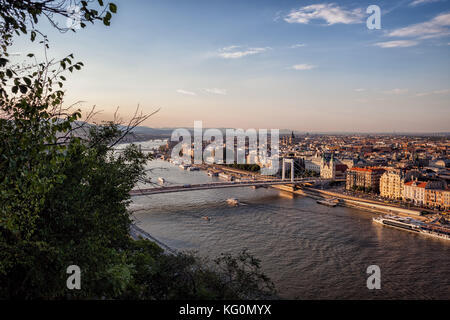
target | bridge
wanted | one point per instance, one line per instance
(220, 185)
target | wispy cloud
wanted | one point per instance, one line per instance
(277, 16)
(329, 12)
(188, 93)
(423, 94)
(229, 48)
(419, 2)
(360, 89)
(303, 66)
(236, 52)
(397, 44)
(298, 45)
(216, 91)
(397, 91)
(436, 27)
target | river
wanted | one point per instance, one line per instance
(309, 251)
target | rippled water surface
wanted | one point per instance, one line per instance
(309, 251)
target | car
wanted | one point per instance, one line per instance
(186, 186)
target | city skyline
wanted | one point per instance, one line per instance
(310, 66)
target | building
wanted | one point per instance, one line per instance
(436, 195)
(440, 163)
(349, 162)
(392, 184)
(313, 163)
(414, 191)
(341, 169)
(330, 169)
(445, 199)
(312, 166)
(430, 193)
(367, 178)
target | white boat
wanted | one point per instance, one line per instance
(225, 176)
(233, 201)
(328, 202)
(412, 225)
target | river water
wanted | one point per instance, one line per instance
(309, 251)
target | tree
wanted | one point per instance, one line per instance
(64, 194)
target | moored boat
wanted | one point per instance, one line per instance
(233, 201)
(328, 202)
(412, 225)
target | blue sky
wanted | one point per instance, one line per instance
(303, 65)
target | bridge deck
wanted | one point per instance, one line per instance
(218, 185)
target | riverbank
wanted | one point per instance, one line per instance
(136, 233)
(348, 201)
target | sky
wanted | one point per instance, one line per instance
(309, 66)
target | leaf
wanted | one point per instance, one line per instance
(113, 8)
(106, 22)
(3, 62)
(27, 81)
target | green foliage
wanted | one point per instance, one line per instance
(64, 195)
(187, 276)
(63, 201)
(21, 17)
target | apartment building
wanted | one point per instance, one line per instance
(392, 184)
(367, 178)
(414, 191)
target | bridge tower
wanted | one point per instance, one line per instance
(291, 161)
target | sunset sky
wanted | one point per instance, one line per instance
(301, 65)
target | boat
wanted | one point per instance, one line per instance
(225, 176)
(412, 225)
(328, 202)
(233, 201)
